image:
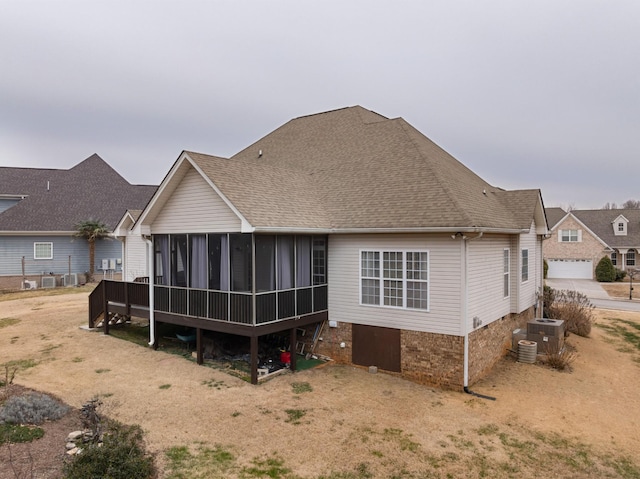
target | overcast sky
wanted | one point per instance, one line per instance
(536, 94)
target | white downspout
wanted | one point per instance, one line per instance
(465, 312)
(151, 273)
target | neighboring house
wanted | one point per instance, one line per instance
(133, 252)
(39, 208)
(580, 238)
(416, 264)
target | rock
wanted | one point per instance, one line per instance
(72, 452)
(70, 445)
(74, 435)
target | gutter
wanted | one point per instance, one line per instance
(465, 311)
(152, 319)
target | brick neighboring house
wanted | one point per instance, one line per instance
(39, 208)
(580, 238)
(350, 220)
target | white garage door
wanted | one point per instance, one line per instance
(570, 268)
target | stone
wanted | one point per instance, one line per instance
(74, 435)
(72, 452)
(70, 445)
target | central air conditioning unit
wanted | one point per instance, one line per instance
(70, 279)
(548, 333)
(48, 282)
(29, 285)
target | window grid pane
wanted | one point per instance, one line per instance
(392, 265)
(392, 293)
(370, 264)
(370, 291)
(417, 295)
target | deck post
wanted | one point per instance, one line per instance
(199, 358)
(254, 359)
(105, 318)
(293, 339)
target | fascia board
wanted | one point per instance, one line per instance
(245, 226)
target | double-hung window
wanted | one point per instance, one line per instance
(395, 278)
(42, 250)
(525, 265)
(505, 271)
(631, 258)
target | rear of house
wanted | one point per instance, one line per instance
(357, 222)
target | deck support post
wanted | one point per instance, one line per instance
(199, 358)
(293, 339)
(254, 359)
(105, 318)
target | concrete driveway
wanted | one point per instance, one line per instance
(596, 294)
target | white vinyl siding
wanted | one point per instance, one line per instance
(42, 250)
(530, 242)
(135, 258)
(195, 207)
(445, 282)
(485, 274)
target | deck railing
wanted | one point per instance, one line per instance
(235, 307)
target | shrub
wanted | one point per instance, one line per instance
(620, 274)
(605, 271)
(573, 307)
(545, 268)
(33, 408)
(548, 298)
(559, 358)
(121, 456)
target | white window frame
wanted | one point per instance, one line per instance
(631, 258)
(570, 237)
(40, 244)
(392, 282)
(506, 272)
(524, 271)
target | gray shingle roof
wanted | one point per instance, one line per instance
(554, 215)
(353, 168)
(601, 223)
(56, 200)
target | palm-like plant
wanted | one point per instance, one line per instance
(91, 230)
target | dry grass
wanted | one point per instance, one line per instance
(35, 293)
(621, 289)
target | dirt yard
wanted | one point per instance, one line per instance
(344, 422)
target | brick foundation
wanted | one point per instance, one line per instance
(437, 359)
(490, 343)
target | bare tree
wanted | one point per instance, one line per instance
(631, 205)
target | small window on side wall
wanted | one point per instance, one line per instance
(42, 250)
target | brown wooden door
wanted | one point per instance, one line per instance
(376, 346)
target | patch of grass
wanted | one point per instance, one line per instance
(6, 322)
(294, 415)
(623, 329)
(266, 467)
(404, 440)
(203, 463)
(102, 370)
(236, 414)
(14, 339)
(212, 383)
(77, 360)
(21, 364)
(302, 387)
(134, 334)
(14, 433)
(51, 347)
(164, 386)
